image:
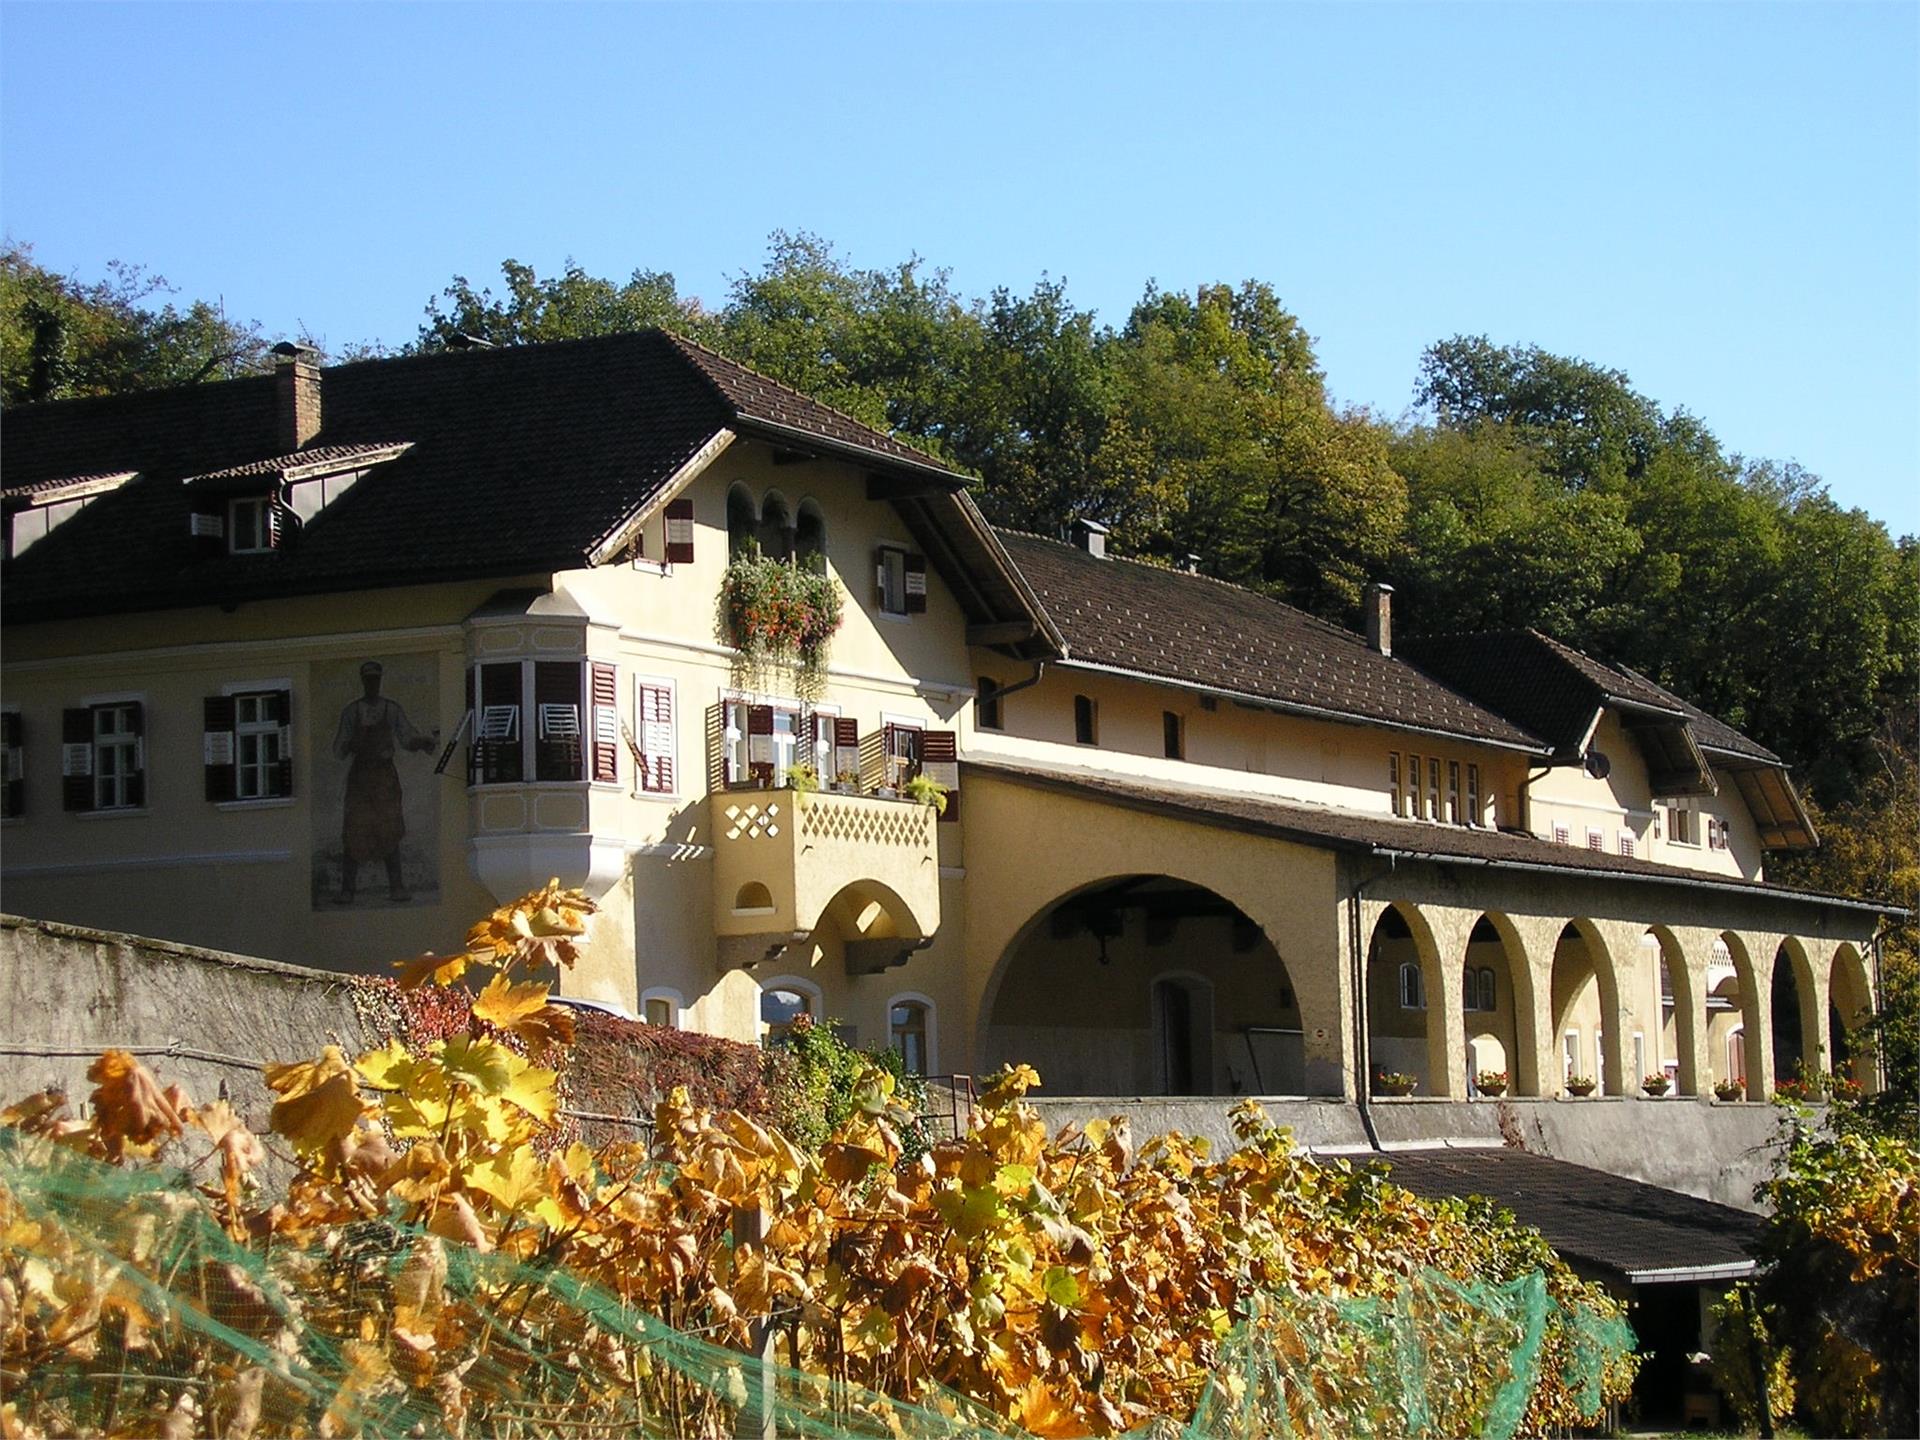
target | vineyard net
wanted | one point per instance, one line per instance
(185, 1331)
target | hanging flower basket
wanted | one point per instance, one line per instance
(778, 613)
(1580, 1084)
(1729, 1090)
(1491, 1082)
(1656, 1085)
(1393, 1082)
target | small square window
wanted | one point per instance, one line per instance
(250, 525)
(1086, 721)
(986, 703)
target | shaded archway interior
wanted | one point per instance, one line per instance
(1148, 985)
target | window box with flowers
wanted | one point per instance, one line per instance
(1491, 1082)
(1656, 1084)
(1580, 1085)
(778, 613)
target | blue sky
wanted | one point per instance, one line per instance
(1722, 200)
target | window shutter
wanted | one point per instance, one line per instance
(940, 757)
(656, 738)
(12, 730)
(680, 532)
(717, 777)
(207, 527)
(281, 704)
(76, 758)
(916, 584)
(846, 747)
(216, 744)
(137, 781)
(606, 724)
(760, 743)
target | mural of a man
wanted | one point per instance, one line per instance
(372, 823)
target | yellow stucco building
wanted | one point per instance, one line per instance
(321, 665)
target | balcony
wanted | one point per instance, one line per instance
(849, 876)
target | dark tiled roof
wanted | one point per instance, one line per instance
(314, 457)
(523, 460)
(1352, 830)
(66, 482)
(1553, 689)
(1594, 1219)
(1200, 631)
(753, 397)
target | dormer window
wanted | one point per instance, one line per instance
(252, 527)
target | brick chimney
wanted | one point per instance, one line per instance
(296, 395)
(1379, 607)
(1090, 536)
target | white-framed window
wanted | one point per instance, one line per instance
(1681, 826)
(900, 581)
(258, 739)
(910, 1031)
(1475, 815)
(1413, 986)
(1454, 815)
(783, 1000)
(250, 524)
(655, 735)
(1570, 1043)
(103, 760)
(662, 1006)
(762, 741)
(1433, 787)
(821, 723)
(1412, 812)
(901, 748)
(505, 749)
(1393, 779)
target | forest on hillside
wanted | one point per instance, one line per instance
(1527, 489)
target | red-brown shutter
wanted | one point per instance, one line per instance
(217, 747)
(13, 797)
(916, 586)
(76, 758)
(137, 781)
(606, 724)
(680, 531)
(760, 744)
(846, 749)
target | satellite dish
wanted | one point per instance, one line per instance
(1598, 765)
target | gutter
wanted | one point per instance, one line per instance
(1294, 707)
(1692, 1274)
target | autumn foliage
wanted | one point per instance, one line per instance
(457, 1260)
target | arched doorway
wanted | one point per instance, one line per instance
(1850, 1002)
(1406, 1032)
(1674, 1043)
(1146, 985)
(1494, 996)
(1736, 1036)
(1796, 1021)
(1585, 1005)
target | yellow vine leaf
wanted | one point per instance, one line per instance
(129, 1108)
(514, 1180)
(523, 1010)
(440, 969)
(319, 1102)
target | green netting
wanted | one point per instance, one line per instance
(127, 1309)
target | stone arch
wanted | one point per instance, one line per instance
(1849, 1006)
(810, 535)
(1755, 1021)
(743, 518)
(1677, 990)
(1585, 1000)
(1493, 944)
(775, 530)
(1120, 938)
(1410, 993)
(1797, 1009)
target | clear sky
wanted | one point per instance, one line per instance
(1722, 200)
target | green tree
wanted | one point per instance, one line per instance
(572, 306)
(63, 337)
